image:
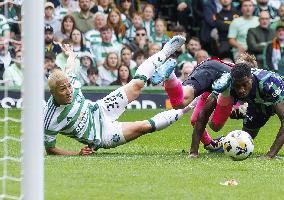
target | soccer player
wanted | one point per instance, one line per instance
(198, 83)
(262, 90)
(94, 123)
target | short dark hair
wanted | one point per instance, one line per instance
(105, 28)
(49, 56)
(240, 71)
(141, 28)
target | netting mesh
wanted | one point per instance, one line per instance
(10, 153)
(10, 123)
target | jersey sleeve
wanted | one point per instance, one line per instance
(75, 82)
(49, 138)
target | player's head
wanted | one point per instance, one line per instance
(241, 80)
(60, 87)
(248, 59)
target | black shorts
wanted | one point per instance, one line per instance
(257, 115)
(204, 75)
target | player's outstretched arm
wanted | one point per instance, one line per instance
(200, 125)
(56, 151)
(279, 140)
(70, 64)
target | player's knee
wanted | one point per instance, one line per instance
(215, 127)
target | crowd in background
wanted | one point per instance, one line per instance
(113, 37)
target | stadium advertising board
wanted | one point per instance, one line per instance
(145, 101)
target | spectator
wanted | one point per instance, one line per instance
(239, 27)
(87, 63)
(258, 37)
(106, 46)
(281, 16)
(104, 6)
(15, 45)
(114, 21)
(66, 7)
(275, 3)
(4, 27)
(262, 5)
(186, 70)
(61, 58)
(154, 48)
(210, 11)
(108, 72)
(159, 37)
(141, 41)
(93, 37)
(185, 13)
(139, 58)
(67, 26)
(137, 22)
(50, 45)
(14, 74)
(123, 77)
(192, 47)
(77, 39)
(5, 55)
(13, 15)
(49, 65)
(49, 18)
(126, 58)
(179, 30)
(84, 18)
(201, 56)
(274, 52)
(223, 20)
(148, 19)
(126, 10)
(92, 76)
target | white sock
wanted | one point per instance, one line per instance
(165, 119)
(147, 68)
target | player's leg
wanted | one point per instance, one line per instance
(113, 105)
(221, 113)
(146, 70)
(205, 139)
(118, 133)
(180, 96)
(133, 130)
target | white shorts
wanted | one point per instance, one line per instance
(112, 106)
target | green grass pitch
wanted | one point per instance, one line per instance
(156, 166)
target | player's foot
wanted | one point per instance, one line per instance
(164, 71)
(173, 44)
(216, 145)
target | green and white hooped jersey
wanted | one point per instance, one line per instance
(81, 119)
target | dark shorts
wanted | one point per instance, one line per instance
(257, 115)
(204, 75)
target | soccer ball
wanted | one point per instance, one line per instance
(238, 145)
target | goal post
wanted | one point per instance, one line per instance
(33, 95)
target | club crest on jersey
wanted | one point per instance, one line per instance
(115, 138)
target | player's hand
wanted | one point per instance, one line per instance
(86, 151)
